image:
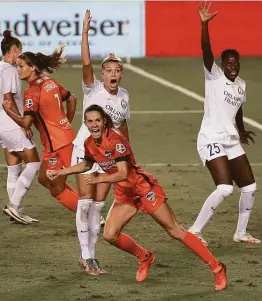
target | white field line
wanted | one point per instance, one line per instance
(170, 164)
(160, 112)
(180, 89)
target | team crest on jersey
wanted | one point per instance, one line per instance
(108, 154)
(241, 91)
(123, 104)
(52, 161)
(120, 148)
(151, 196)
(29, 103)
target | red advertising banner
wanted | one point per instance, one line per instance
(173, 28)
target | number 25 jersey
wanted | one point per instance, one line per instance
(43, 100)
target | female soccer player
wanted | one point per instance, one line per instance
(115, 101)
(17, 146)
(43, 106)
(218, 140)
(133, 189)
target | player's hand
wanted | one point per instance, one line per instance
(6, 105)
(53, 174)
(87, 20)
(204, 11)
(245, 136)
(91, 179)
(28, 133)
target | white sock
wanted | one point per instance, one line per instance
(246, 203)
(13, 173)
(211, 203)
(24, 182)
(82, 226)
(94, 224)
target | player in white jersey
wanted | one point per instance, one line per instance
(115, 101)
(220, 135)
(15, 142)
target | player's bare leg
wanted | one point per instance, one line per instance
(118, 216)
(58, 188)
(220, 172)
(166, 218)
(243, 176)
(22, 183)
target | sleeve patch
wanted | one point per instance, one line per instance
(29, 103)
(120, 148)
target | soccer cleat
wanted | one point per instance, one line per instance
(89, 266)
(220, 278)
(98, 267)
(29, 219)
(102, 221)
(199, 235)
(245, 237)
(144, 266)
(15, 214)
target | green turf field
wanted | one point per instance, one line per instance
(39, 262)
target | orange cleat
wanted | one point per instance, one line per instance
(144, 266)
(220, 278)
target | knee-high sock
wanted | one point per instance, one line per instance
(94, 217)
(13, 173)
(246, 202)
(195, 244)
(24, 182)
(211, 203)
(82, 226)
(68, 198)
(127, 244)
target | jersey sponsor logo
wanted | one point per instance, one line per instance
(123, 104)
(29, 103)
(120, 148)
(240, 91)
(52, 161)
(108, 154)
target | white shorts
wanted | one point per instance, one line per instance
(215, 150)
(15, 141)
(78, 155)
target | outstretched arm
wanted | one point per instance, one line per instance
(206, 16)
(87, 68)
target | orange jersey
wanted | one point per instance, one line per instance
(43, 99)
(113, 149)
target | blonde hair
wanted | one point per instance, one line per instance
(111, 57)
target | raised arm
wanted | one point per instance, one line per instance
(88, 75)
(206, 16)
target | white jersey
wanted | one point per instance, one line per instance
(116, 106)
(9, 83)
(223, 98)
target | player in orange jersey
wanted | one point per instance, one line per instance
(43, 106)
(134, 190)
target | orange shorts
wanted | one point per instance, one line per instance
(147, 203)
(59, 158)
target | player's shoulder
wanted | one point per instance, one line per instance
(123, 91)
(93, 89)
(87, 141)
(7, 68)
(241, 81)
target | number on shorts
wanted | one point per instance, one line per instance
(56, 95)
(79, 159)
(213, 149)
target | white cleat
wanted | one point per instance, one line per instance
(102, 222)
(245, 237)
(199, 235)
(15, 214)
